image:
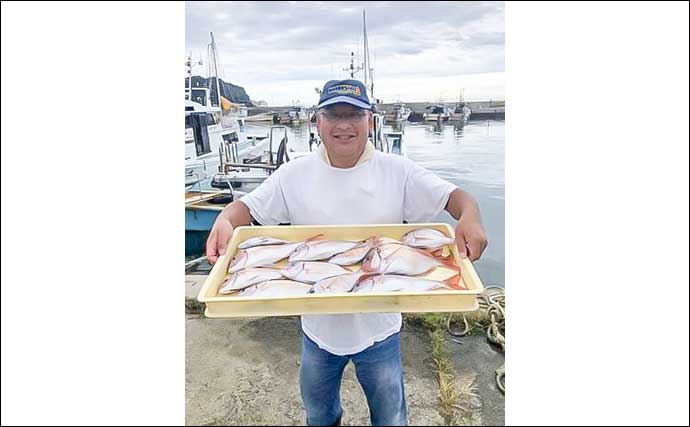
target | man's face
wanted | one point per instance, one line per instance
(344, 129)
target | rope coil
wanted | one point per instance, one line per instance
(492, 300)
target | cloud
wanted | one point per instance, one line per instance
(265, 42)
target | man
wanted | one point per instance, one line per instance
(346, 181)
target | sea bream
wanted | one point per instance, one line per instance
(337, 284)
(312, 271)
(401, 259)
(261, 241)
(427, 238)
(259, 256)
(276, 289)
(356, 254)
(394, 283)
(248, 277)
(320, 249)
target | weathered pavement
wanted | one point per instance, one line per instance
(246, 372)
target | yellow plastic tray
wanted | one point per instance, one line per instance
(218, 305)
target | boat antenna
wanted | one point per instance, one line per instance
(352, 69)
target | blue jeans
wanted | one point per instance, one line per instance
(379, 371)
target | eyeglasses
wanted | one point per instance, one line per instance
(353, 116)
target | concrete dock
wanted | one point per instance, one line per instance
(245, 371)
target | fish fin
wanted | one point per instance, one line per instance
(437, 252)
(365, 276)
(291, 257)
(366, 264)
(448, 261)
(454, 282)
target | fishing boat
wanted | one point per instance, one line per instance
(295, 115)
(205, 131)
(461, 114)
(399, 113)
(268, 116)
(437, 113)
(209, 124)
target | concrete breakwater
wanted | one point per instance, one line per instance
(481, 110)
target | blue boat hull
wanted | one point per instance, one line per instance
(198, 224)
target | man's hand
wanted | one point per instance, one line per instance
(470, 237)
(217, 242)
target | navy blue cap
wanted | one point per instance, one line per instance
(351, 92)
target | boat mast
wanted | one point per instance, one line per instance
(367, 63)
(215, 68)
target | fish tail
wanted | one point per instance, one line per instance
(454, 282)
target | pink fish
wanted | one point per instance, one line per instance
(248, 277)
(312, 271)
(320, 249)
(261, 241)
(393, 283)
(259, 256)
(356, 254)
(276, 289)
(427, 238)
(401, 259)
(337, 284)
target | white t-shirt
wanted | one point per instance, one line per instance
(387, 189)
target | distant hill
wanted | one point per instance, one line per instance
(227, 90)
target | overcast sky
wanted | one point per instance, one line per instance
(421, 51)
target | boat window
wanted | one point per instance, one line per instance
(231, 137)
(201, 139)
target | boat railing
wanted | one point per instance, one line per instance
(379, 141)
(270, 140)
(229, 158)
(197, 182)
